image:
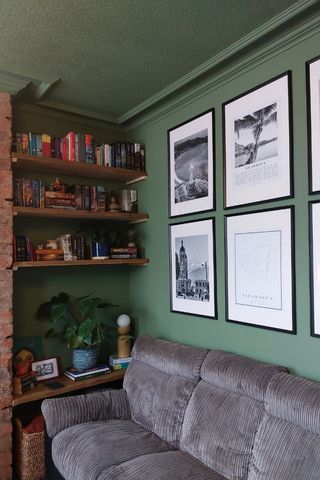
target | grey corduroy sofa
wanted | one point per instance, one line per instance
(186, 413)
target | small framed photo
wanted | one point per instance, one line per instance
(47, 368)
(314, 226)
(313, 104)
(191, 166)
(192, 268)
(257, 144)
(260, 269)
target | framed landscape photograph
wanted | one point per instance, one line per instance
(259, 266)
(191, 166)
(192, 268)
(46, 369)
(313, 104)
(314, 225)
(257, 144)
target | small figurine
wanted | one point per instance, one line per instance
(113, 205)
(124, 340)
(57, 185)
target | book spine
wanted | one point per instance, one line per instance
(137, 163)
(88, 148)
(36, 193)
(101, 199)
(17, 192)
(46, 145)
(94, 198)
(27, 193)
(71, 138)
(38, 141)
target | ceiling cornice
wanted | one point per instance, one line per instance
(12, 83)
(305, 29)
(204, 69)
(80, 111)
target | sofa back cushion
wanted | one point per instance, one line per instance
(159, 382)
(287, 445)
(224, 411)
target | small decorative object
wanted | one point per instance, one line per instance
(191, 165)
(98, 237)
(314, 225)
(257, 153)
(129, 201)
(113, 205)
(57, 185)
(192, 268)
(77, 323)
(313, 97)
(52, 244)
(124, 340)
(259, 269)
(46, 369)
(22, 361)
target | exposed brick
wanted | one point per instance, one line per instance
(5, 429)
(5, 345)
(5, 443)
(5, 473)
(5, 415)
(6, 361)
(6, 402)
(6, 317)
(6, 330)
(6, 184)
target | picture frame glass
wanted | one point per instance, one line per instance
(46, 369)
(191, 166)
(193, 286)
(259, 269)
(313, 93)
(257, 145)
(314, 218)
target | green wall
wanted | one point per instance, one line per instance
(149, 287)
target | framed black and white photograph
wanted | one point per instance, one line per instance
(257, 144)
(47, 368)
(313, 104)
(191, 166)
(260, 269)
(192, 268)
(314, 225)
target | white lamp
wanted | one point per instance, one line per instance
(123, 320)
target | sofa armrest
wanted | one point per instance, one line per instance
(60, 413)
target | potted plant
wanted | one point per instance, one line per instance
(77, 323)
(101, 237)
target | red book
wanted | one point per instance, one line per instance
(71, 139)
(46, 145)
(64, 149)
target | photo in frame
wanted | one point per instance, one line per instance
(46, 369)
(259, 263)
(314, 228)
(191, 165)
(192, 268)
(257, 144)
(313, 106)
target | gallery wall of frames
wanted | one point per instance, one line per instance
(259, 246)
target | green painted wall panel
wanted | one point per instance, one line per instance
(149, 287)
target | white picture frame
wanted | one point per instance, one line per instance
(46, 369)
(191, 166)
(257, 144)
(259, 267)
(192, 268)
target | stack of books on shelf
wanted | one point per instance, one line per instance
(117, 363)
(124, 252)
(81, 147)
(70, 247)
(24, 383)
(74, 374)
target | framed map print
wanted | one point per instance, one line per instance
(259, 269)
(191, 166)
(257, 144)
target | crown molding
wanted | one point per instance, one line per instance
(80, 111)
(242, 45)
(12, 83)
(41, 111)
(268, 50)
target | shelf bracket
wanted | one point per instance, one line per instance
(135, 180)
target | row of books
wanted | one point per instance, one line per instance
(24, 383)
(81, 147)
(115, 363)
(33, 193)
(71, 248)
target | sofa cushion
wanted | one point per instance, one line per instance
(159, 383)
(224, 411)
(287, 444)
(84, 451)
(172, 465)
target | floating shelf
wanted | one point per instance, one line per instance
(23, 161)
(79, 263)
(80, 214)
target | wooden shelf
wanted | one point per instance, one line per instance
(23, 161)
(42, 391)
(79, 263)
(80, 214)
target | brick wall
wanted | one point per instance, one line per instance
(5, 288)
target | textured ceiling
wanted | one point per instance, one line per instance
(111, 55)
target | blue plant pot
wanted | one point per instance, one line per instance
(100, 250)
(82, 359)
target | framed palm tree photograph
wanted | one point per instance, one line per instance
(257, 144)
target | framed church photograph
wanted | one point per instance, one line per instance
(192, 268)
(191, 166)
(257, 144)
(259, 259)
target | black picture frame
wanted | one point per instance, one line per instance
(206, 152)
(313, 123)
(261, 290)
(197, 305)
(252, 184)
(314, 266)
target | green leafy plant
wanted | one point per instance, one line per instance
(76, 322)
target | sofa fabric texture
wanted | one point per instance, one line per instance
(190, 414)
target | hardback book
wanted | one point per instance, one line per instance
(17, 192)
(101, 199)
(89, 157)
(65, 242)
(36, 193)
(46, 145)
(86, 197)
(71, 139)
(48, 254)
(115, 360)
(20, 385)
(27, 193)
(32, 144)
(56, 147)
(38, 144)
(99, 369)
